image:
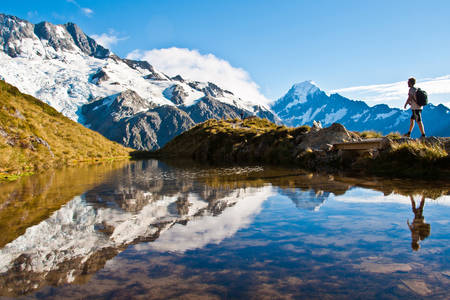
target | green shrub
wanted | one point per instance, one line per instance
(370, 134)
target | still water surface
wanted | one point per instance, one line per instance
(155, 230)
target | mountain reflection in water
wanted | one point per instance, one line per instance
(231, 233)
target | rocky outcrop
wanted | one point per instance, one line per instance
(322, 139)
(11, 30)
(58, 39)
(176, 94)
(99, 77)
(67, 37)
(140, 65)
(213, 90)
(210, 89)
(88, 45)
(178, 78)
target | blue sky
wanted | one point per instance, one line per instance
(338, 44)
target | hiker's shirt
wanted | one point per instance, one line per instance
(412, 98)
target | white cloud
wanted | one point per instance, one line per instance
(107, 39)
(395, 94)
(32, 14)
(87, 11)
(193, 65)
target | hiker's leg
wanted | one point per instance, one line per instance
(422, 130)
(422, 203)
(413, 204)
(411, 125)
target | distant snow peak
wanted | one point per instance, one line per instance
(305, 103)
(299, 93)
(307, 87)
(303, 89)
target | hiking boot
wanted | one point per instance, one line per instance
(408, 134)
(423, 136)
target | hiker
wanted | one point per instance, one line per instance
(419, 229)
(415, 108)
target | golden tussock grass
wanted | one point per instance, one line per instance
(34, 136)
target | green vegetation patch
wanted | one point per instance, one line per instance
(412, 159)
(229, 141)
(34, 136)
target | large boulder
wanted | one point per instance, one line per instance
(322, 138)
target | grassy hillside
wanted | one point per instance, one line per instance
(260, 141)
(34, 136)
(250, 140)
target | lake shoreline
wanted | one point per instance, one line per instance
(16, 175)
(258, 141)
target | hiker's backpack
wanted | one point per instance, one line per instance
(421, 97)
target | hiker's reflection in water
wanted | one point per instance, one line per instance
(419, 229)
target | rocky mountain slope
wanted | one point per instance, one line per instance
(33, 135)
(145, 108)
(305, 102)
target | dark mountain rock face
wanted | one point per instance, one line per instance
(85, 43)
(66, 37)
(209, 108)
(99, 77)
(48, 31)
(213, 90)
(305, 103)
(130, 120)
(144, 65)
(12, 29)
(176, 94)
(178, 78)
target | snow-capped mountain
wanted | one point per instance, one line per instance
(305, 102)
(67, 69)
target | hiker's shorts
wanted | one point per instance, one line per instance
(416, 115)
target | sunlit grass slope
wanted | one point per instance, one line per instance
(34, 136)
(250, 140)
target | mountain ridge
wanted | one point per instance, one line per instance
(68, 70)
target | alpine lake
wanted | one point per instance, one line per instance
(150, 229)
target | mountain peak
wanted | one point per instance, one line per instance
(305, 88)
(22, 38)
(299, 92)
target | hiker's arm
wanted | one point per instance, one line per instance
(407, 102)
